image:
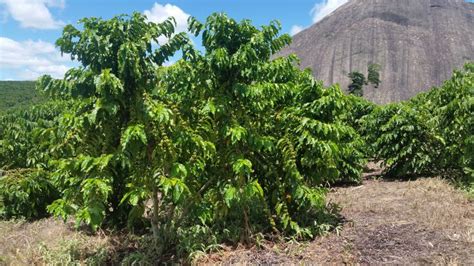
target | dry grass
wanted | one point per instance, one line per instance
(46, 241)
(421, 221)
(426, 221)
(431, 202)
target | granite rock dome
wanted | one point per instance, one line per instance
(418, 43)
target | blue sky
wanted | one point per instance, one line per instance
(29, 28)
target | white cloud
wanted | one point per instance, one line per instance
(296, 29)
(160, 13)
(55, 3)
(34, 13)
(325, 8)
(31, 59)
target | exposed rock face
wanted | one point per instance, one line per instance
(417, 43)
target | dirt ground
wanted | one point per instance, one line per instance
(48, 240)
(425, 221)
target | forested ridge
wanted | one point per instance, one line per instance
(227, 145)
(18, 94)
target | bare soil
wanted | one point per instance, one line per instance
(425, 221)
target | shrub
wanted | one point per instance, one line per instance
(25, 193)
(429, 134)
(25, 186)
(223, 146)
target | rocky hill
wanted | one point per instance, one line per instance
(417, 43)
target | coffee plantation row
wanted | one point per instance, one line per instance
(224, 146)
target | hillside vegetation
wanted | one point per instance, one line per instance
(18, 94)
(225, 146)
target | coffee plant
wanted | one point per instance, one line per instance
(430, 134)
(278, 134)
(128, 139)
(25, 187)
(230, 137)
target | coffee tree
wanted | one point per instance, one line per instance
(25, 187)
(431, 134)
(452, 109)
(278, 134)
(125, 141)
(221, 146)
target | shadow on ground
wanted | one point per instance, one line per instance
(397, 222)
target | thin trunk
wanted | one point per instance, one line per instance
(247, 227)
(154, 218)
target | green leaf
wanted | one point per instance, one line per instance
(132, 134)
(230, 194)
(242, 167)
(179, 171)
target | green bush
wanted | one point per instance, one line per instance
(25, 193)
(403, 140)
(430, 134)
(223, 145)
(25, 185)
(22, 140)
(227, 145)
(452, 105)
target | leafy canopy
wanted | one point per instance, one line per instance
(373, 75)
(430, 134)
(357, 85)
(124, 126)
(224, 144)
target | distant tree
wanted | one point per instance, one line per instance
(358, 81)
(374, 76)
